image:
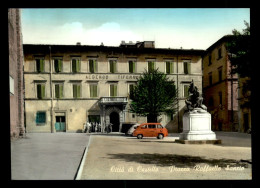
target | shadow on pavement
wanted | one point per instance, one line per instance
(176, 160)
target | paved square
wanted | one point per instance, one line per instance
(119, 157)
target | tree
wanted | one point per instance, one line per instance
(239, 50)
(153, 95)
(238, 47)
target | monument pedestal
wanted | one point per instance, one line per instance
(197, 128)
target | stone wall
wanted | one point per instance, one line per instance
(16, 73)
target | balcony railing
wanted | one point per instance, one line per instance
(105, 100)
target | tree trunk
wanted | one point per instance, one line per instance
(151, 118)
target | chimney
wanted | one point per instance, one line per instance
(78, 43)
(122, 42)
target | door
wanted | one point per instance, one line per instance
(60, 124)
(152, 130)
(114, 119)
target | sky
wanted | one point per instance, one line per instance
(169, 28)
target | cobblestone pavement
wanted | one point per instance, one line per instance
(128, 158)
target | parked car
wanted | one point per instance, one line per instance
(150, 130)
(126, 126)
(132, 129)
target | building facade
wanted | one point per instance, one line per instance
(15, 73)
(69, 85)
(220, 88)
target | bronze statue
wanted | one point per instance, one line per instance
(194, 101)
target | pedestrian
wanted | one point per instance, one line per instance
(96, 127)
(89, 127)
(110, 127)
(84, 127)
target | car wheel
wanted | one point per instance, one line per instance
(160, 136)
(139, 136)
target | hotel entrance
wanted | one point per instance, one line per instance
(114, 119)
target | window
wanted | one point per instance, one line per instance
(113, 90)
(220, 97)
(112, 66)
(92, 65)
(220, 74)
(187, 67)
(11, 85)
(144, 127)
(132, 66)
(58, 65)
(93, 90)
(58, 91)
(76, 90)
(39, 65)
(40, 91)
(219, 53)
(40, 117)
(186, 90)
(159, 126)
(169, 67)
(151, 66)
(131, 88)
(210, 78)
(210, 60)
(75, 65)
(151, 126)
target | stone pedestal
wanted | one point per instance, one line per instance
(197, 128)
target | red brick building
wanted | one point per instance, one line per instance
(16, 73)
(220, 89)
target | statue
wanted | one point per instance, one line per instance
(194, 101)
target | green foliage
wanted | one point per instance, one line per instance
(153, 95)
(238, 47)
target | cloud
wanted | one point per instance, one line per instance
(109, 33)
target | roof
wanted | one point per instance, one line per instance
(45, 48)
(223, 39)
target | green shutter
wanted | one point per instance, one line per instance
(114, 66)
(57, 91)
(56, 65)
(61, 91)
(43, 91)
(91, 68)
(186, 91)
(78, 65)
(95, 90)
(38, 65)
(189, 68)
(115, 90)
(185, 68)
(171, 67)
(59, 65)
(42, 65)
(73, 65)
(74, 91)
(168, 67)
(78, 91)
(95, 65)
(111, 90)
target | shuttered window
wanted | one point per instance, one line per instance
(40, 65)
(187, 67)
(58, 65)
(112, 65)
(40, 117)
(76, 90)
(186, 90)
(93, 90)
(40, 91)
(132, 65)
(151, 66)
(92, 66)
(131, 88)
(75, 65)
(113, 90)
(58, 91)
(169, 67)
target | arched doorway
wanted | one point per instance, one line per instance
(114, 119)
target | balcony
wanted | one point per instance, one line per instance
(113, 100)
